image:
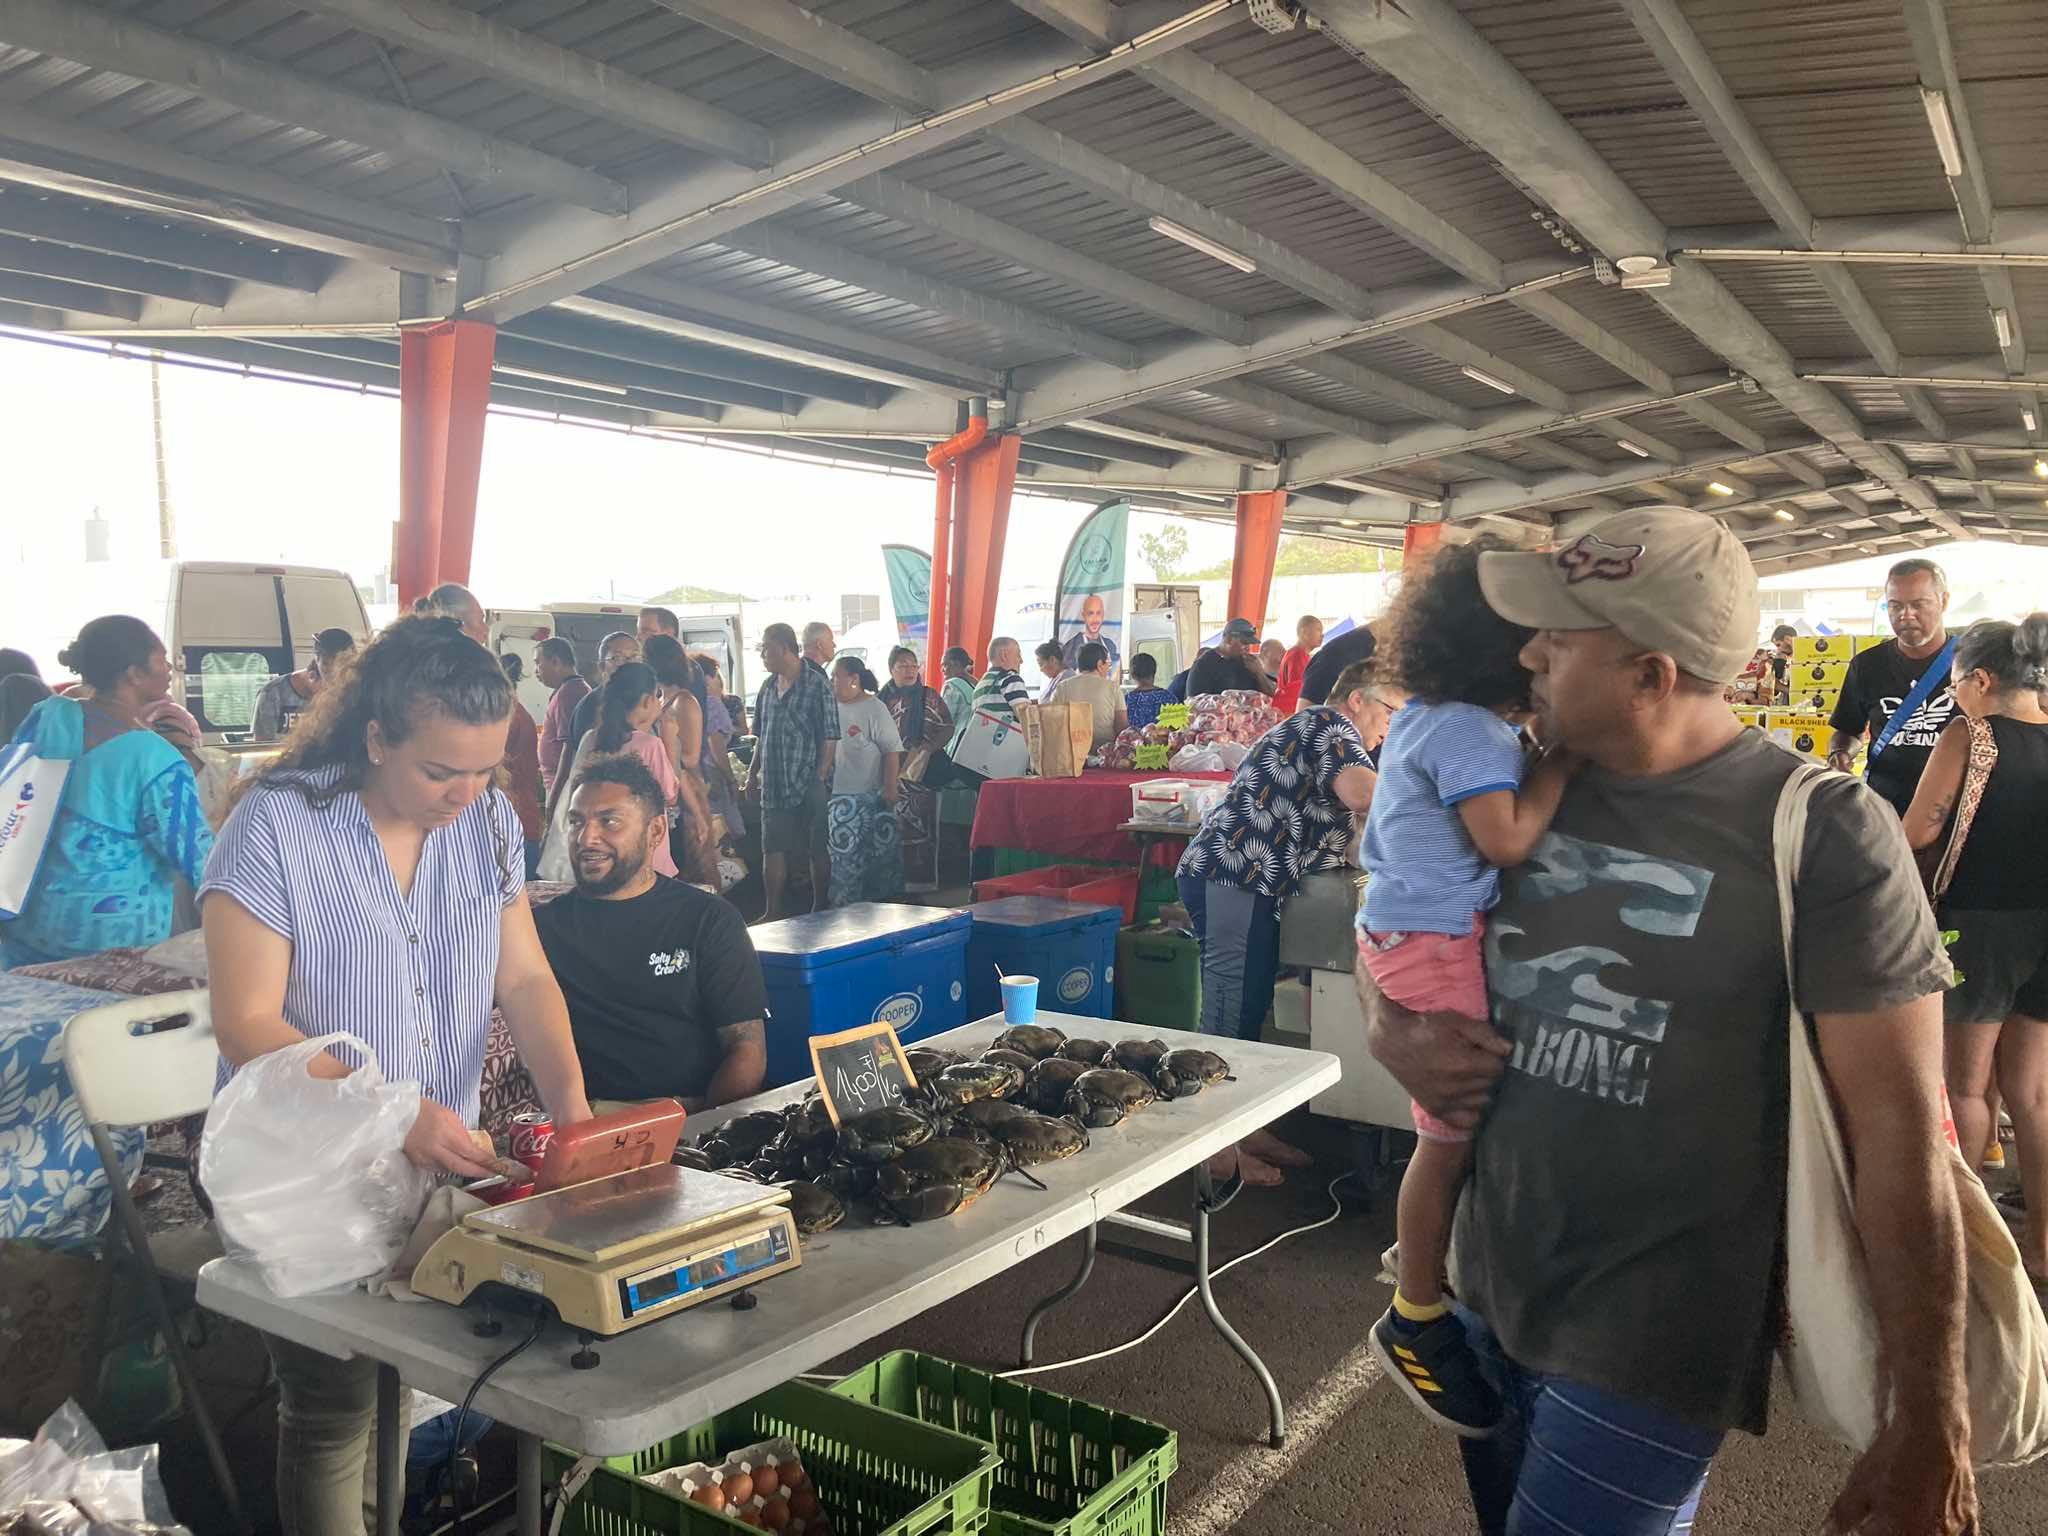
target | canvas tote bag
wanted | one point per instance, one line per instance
(1832, 1351)
(31, 788)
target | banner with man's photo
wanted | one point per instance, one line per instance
(1090, 604)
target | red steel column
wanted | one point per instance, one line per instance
(981, 521)
(1419, 541)
(444, 385)
(1259, 514)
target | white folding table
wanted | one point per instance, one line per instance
(855, 1282)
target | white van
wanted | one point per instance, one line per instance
(229, 627)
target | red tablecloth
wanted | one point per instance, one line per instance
(1072, 818)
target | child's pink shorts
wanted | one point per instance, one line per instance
(1430, 973)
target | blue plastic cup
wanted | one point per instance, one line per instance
(1020, 999)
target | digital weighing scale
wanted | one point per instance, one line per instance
(617, 1235)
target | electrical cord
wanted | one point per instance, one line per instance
(540, 1321)
(1336, 1211)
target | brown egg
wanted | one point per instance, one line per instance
(775, 1514)
(803, 1502)
(767, 1479)
(711, 1496)
(739, 1487)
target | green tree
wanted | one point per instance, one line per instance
(1306, 555)
(695, 594)
(1164, 551)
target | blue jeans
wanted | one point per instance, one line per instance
(1573, 1460)
(1239, 931)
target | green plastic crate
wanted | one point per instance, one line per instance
(1068, 1468)
(877, 1473)
(1159, 978)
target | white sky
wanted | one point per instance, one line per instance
(266, 470)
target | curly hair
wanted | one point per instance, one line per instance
(1445, 645)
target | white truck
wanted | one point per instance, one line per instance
(519, 632)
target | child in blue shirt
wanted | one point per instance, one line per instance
(1144, 700)
(1451, 809)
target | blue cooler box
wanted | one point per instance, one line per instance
(870, 962)
(1070, 946)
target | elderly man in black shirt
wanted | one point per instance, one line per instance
(664, 990)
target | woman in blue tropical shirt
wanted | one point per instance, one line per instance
(130, 822)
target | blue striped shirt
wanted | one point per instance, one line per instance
(412, 976)
(1427, 875)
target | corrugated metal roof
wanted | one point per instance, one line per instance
(1790, 302)
(1855, 152)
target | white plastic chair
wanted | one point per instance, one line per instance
(135, 1063)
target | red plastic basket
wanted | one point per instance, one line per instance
(1053, 878)
(1111, 887)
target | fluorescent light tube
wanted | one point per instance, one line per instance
(1347, 522)
(559, 378)
(1944, 129)
(1634, 448)
(1784, 516)
(2041, 468)
(1195, 242)
(1719, 489)
(1478, 376)
(2028, 420)
(2001, 323)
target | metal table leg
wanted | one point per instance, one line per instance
(1206, 1202)
(526, 1501)
(390, 1452)
(1064, 1293)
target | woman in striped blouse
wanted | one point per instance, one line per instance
(373, 882)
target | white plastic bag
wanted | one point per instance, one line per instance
(308, 1176)
(66, 1479)
(1198, 759)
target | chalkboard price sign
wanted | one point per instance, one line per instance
(861, 1069)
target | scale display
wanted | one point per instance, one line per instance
(671, 1283)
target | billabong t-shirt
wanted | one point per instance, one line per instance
(650, 982)
(1623, 1218)
(1876, 685)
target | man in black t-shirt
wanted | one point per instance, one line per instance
(1878, 681)
(1233, 664)
(1327, 665)
(664, 990)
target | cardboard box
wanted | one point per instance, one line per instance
(1812, 676)
(1811, 648)
(1805, 734)
(1755, 719)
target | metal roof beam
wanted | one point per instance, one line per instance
(104, 167)
(77, 298)
(821, 47)
(1678, 48)
(456, 36)
(1452, 347)
(1571, 486)
(890, 280)
(2019, 236)
(921, 209)
(1062, 391)
(566, 252)
(68, 30)
(1261, 398)
(1576, 326)
(41, 259)
(1080, 439)
(603, 373)
(1193, 436)
(1370, 381)
(642, 347)
(1456, 74)
(745, 325)
(1564, 454)
(23, 212)
(1490, 467)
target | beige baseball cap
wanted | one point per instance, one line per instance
(1672, 581)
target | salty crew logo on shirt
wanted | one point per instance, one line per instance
(673, 963)
(1594, 559)
(1570, 1028)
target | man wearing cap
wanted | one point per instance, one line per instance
(1233, 664)
(1618, 1243)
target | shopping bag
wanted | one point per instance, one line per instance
(308, 1176)
(994, 747)
(1060, 737)
(31, 789)
(1832, 1350)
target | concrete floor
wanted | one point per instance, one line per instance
(1358, 1459)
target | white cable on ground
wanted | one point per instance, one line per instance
(1336, 1210)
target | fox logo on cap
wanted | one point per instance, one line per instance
(1590, 558)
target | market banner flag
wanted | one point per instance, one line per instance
(910, 589)
(1090, 606)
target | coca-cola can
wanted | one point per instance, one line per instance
(531, 1135)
